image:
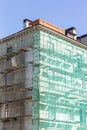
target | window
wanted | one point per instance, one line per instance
(9, 50)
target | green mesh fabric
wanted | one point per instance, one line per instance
(59, 84)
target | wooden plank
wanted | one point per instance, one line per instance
(20, 99)
(5, 86)
(26, 89)
(30, 62)
(14, 117)
(30, 46)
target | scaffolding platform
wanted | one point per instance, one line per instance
(20, 99)
(26, 89)
(15, 117)
(16, 52)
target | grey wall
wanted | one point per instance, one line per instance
(19, 79)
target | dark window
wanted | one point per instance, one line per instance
(9, 50)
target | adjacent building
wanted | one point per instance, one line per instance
(43, 78)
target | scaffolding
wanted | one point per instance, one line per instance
(59, 84)
(16, 88)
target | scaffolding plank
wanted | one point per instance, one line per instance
(14, 117)
(20, 99)
(30, 46)
(6, 86)
(26, 89)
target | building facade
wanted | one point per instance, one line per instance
(43, 79)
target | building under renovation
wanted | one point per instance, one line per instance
(43, 79)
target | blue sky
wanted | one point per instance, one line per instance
(62, 13)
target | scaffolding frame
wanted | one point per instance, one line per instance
(23, 89)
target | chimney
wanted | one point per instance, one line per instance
(71, 32)
(26, 23)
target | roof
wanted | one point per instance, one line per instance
(70, 28)
(27, 20)
(43, 25)
(48, 25)
(83, 36)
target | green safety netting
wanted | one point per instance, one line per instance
(59, 84)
